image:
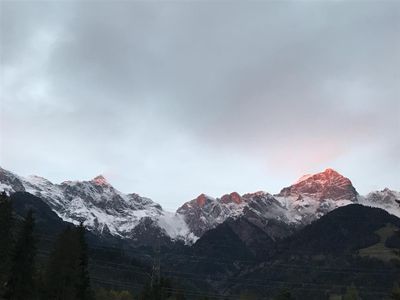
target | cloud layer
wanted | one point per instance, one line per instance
(171, 99)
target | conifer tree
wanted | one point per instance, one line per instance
(396, 288)
(83, 289)
(20, 285)
(6, 238)
(62, 275)
(67, 276)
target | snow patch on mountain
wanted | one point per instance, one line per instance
(386, 199)
(175, 226)
(6, 188)
(99, 205)
(305, 209)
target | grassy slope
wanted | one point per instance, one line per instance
(379, 250)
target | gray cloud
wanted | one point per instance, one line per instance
(177, 98)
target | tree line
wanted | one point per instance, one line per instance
(64, 277)
(65, 273)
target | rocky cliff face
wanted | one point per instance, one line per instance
(326, 185)
(386, 199)
(308, 199)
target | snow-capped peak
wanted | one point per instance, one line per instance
(100, 206)
(386, 199)
(328, 184)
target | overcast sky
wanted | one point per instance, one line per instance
(173, 99)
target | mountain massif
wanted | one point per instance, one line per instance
(107, 211)
(315, 236)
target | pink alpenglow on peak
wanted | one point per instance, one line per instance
(100, 180)
(201, 200)
(304, 177)
(232, 197)
(328, 184)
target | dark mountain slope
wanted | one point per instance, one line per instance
(323, 258)
(225, 241)
(341, 231)
(46, 220)
(221, 253)
(243, 238)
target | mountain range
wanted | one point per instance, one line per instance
(315, 237)
(108, 212)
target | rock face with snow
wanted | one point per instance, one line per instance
(299, 204)
(386, 199)
(10, 182)
(205, 213)
(102, 208)
(106, 210)
(326, 185)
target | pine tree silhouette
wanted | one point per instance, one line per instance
(6, 238)
(67, 276)
(83, 288)
(20, 285)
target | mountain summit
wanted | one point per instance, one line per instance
(325, 185)
(100, 180)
